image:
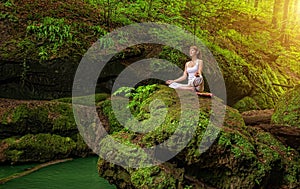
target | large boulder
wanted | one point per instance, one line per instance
(287, 109)
(239, 157)
(38, 131)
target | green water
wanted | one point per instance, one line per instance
(75, 174)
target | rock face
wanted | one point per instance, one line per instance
(239, 157)
(287, 110)
(38, 131)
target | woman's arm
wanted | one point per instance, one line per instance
(182, 78)
(200, 67)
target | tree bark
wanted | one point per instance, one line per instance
(256, 117)
(284, 37)
(256, 4)
(276, 13)
(290, 136)
(296, 14)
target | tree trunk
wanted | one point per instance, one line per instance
(284, 37)
(296, 14)
(256, 117)
(289, 136)
(256, 4)
(276, 11)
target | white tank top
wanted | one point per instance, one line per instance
(192, 70)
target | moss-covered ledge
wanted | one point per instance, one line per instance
(287, 109)
(240, 157)
(39, 131)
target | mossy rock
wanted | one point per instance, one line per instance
(246, 104)
(82, 100)
(37, 117)
(20, 117)
(239, 157)
(287, 109)
(41, 147)
(38, 148)
(51, 121)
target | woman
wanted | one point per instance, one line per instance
(192, 70)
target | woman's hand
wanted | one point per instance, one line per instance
(169, 82)
(197, 74)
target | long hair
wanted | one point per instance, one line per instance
(199, 54)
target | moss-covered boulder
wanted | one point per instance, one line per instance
(239, 157)
(35, 131)
(245, 104)
(20, 117)
(41, 147)
(287, 110)
(24, 117)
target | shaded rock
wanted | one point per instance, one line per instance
(37, 148)
(287, 109)
(38, 131)
(288, 135)
(246, 104)
(32, 117)
(239, 156)
(256, 117)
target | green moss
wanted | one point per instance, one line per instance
(239, 157)
(40, 117)
(64, 119)
(246, 104)
(39, 147)
(287, 109)
(108, 111)
(5, 117)
(20, 113)
(274, 156)
(82, 100)
(233, 64)
(81, 146)
(152, 177)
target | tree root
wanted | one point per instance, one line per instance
(18, 175)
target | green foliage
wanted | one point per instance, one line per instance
(174, 56)
(241, 155)
(8, 16)
(188, 187)
(123, 91)
(136, 95)
(141, 93)
(7, 3)
(136, 98)
(53, 33)
(51, 29)
(127, 12)
(98, 30)
(239, 145)
(275, 153)
(233, 66)
(63, 121)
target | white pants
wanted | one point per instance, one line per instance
(199, 88)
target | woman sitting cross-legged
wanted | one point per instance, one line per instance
(192, 71)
